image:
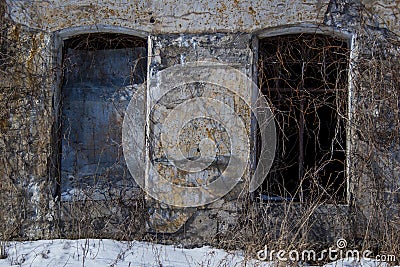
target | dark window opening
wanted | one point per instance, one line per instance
(101, 72)
(304, 78)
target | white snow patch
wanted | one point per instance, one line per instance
(97, 253)
(353, 262)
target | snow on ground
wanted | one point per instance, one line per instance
(352, 262)
(98, 253)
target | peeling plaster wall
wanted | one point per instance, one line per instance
(165, 17)
(26, 132)
(169, 50)
(180, 32)
(190, 17)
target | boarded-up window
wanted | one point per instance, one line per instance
(101, 73)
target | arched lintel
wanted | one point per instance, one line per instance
(303, 28)
(98, 28)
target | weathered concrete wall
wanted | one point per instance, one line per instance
(168, 16)
(170, 50)
(180, 32)
(26, 134)
(176, 16)
(376, 162)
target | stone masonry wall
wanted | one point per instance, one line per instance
(31, 35)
